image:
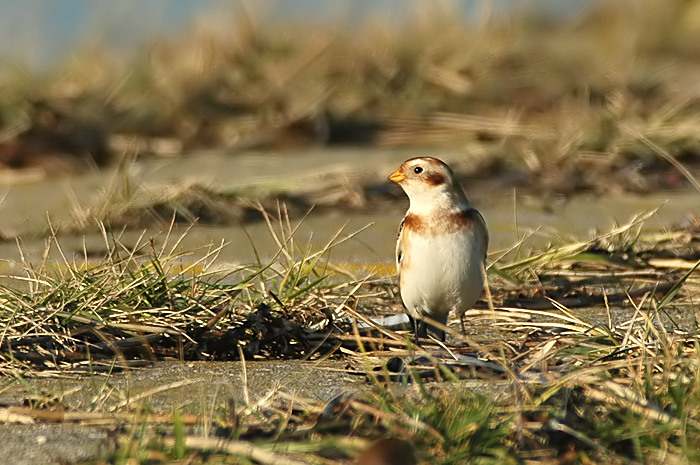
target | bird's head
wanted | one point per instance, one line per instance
(430, 184)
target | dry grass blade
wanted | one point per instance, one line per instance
(246, 449)
(158, 389)
(672, 160)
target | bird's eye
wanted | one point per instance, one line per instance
(418, 170)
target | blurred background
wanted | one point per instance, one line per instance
(39, 34)
(132, 113)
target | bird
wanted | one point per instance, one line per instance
(441, 247)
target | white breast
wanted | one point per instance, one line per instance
(443, 273)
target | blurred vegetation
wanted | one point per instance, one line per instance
(576, 102)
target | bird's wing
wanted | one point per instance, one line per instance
(399, 254)
(481, 224)
(399, 251)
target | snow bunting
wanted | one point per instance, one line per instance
(441, 246)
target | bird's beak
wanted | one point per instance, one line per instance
(397, 176)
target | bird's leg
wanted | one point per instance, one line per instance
(427, 327)
(442, 335)
(461, 320)
(414, 323)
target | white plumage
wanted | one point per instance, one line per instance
(441, 247)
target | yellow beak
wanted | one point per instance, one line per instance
(397, 176)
